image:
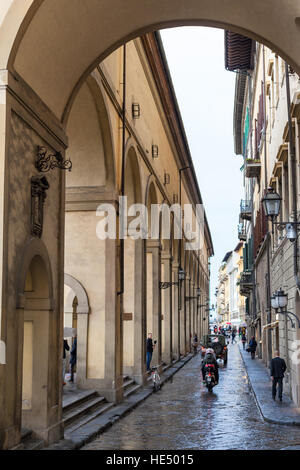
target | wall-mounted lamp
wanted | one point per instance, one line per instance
(154, 151)
(181, 277)
(166, 178)
(272, 203)
(279, 301)
(136, 110)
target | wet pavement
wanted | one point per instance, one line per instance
(183, 415)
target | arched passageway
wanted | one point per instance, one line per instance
(134, 335)
(76, 321)
(60, 105)
(38, 390)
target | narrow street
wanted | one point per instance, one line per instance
(184, 416)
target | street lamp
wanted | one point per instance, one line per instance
(198, 294)
(271, 203)
(167, 284)
(279, 301)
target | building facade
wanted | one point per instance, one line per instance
(266, 134)
(230, 303)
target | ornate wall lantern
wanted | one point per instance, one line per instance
(279, 302)
(39, 186)
(136, 110)
(154, 151)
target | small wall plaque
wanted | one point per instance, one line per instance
(127, 316)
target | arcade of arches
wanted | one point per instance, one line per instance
(60, 98)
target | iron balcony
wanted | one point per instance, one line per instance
(245, 210)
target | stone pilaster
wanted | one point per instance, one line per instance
(175, 312)
(167, 309)
(154, 249)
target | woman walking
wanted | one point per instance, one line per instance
(252, 347)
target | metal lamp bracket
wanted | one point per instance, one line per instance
(48, 161)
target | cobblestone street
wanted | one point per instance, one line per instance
(184, 416)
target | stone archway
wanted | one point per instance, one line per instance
(134, 276)
(39, 343)
(82, 312)
(58, 31)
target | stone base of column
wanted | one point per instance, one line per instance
(167, 357)
(140, 379)
(111, 391)
(52, 434)
(10, 437)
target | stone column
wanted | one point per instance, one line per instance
(188, 294)
(175, 312)
(194, 305)
(26, 123)
(113, 378)
(139, 367)
(167, 309)
(182, 314)
(154, 248)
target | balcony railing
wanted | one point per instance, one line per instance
(246, 283)
(245, 210)
(242, 235)
(252, 168)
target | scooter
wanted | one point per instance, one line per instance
(155, 379)
(210, 380)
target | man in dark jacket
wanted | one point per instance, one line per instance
(278, 368)
(73, 358)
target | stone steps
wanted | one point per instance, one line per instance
(29, 441)
(129, 386)
(85, 419)
(82, 407)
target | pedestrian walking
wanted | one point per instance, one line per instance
(244, 339)
(233, 335)
(278, 368)
(150, 348)
(73, 358)
(66, 347)
(252, 347)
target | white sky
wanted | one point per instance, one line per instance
(205, 94)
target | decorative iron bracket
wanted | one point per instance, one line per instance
(47, 161)
(287, 313)
(166, 285)
(282, 225)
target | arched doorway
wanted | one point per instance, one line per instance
(134, 276)
(153, 263)
(76, 321)
(40, 364)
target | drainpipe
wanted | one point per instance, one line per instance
(121, 292)
(293, 171)
(268, 274)
(252, 197)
